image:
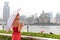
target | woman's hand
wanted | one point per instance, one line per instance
(20, 26)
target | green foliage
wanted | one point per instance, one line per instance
(2, 37)
(5, 37)
(4, 31)
(41, 35)
(35, 34)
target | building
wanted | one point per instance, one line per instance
(44, 18)
(57, 18)
(30, 20)
(6, 11)
(0, 20)
(33, 19)
(53, 21)
(51, 17)
(23, 18)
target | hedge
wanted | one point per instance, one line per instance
(45, 35)
(2, 37)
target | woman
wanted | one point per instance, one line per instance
(16, 27)
(13, 22)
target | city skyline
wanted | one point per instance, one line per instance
(32, 6)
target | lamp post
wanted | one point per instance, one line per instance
(3, 27)
(27, 28)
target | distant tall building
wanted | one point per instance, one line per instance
(57, 18)
(23, 18)
(6, 11)
(51, 17)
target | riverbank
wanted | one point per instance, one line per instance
(43, 35)
(4, 36)
(45, 24)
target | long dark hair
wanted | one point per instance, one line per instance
(15, 18)
(17, 14)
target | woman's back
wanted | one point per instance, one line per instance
(15, 29)
(16, 35)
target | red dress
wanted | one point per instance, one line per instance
(16, 35)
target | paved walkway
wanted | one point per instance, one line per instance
(37, 38)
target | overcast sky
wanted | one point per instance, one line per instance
(29, 7)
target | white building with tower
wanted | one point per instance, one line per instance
(44, 18)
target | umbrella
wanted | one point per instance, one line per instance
(11, 19)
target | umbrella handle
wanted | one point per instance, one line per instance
(18, 10)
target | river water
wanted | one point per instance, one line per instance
(46, 29)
